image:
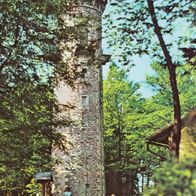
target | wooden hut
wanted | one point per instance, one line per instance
(162, 137)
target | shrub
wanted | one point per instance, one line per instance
(175, 179)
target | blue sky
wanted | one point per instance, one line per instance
(137, 73)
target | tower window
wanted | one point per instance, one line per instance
(84, 101)
(84, 71)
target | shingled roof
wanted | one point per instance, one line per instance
(161, 137)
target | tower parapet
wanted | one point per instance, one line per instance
(82, 167)
(97, 4)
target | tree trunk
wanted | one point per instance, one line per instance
(176, 134)
(119, 176)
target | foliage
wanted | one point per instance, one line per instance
(27, 132)
(129, 29)
(138, 118)
(175, 179)
(131, 34)
(118, 102)
(128, 120)
(30, 36)
(159, 83)
(29, 43)
(137, 23)
(33, 37)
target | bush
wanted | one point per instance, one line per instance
(174, 179)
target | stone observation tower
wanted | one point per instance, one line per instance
(82, 166)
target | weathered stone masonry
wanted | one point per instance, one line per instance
(82, 167)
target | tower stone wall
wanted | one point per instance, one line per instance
(81, 167)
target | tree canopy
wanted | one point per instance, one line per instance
(130, 31)
(145, 26)
(129, 119)
(29, 55)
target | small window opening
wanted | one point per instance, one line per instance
(84, 101)
(84, 71)
(85, 119)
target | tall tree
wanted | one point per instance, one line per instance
(127, 159)
(128, 119)
(136, 22)
(159, 83)
(176, 135)
(29, 54)
(119, 100)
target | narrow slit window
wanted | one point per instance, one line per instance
(84, 71)
(84, 101)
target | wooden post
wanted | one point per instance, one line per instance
(43, 189)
